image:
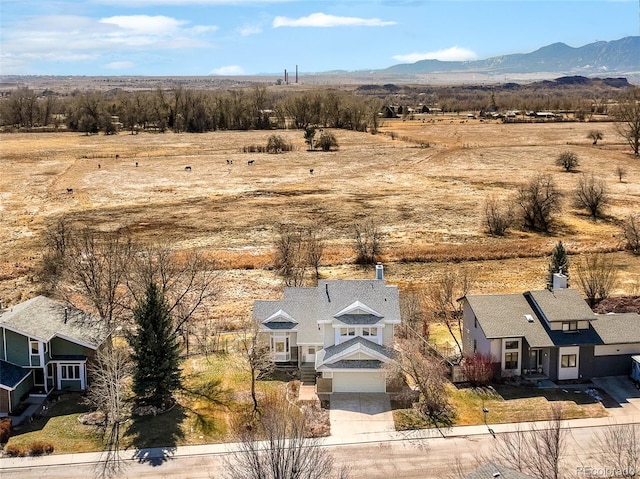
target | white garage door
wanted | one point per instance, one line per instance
(373, 382)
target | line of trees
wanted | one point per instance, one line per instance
(195, 111)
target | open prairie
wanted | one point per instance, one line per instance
(423, 183)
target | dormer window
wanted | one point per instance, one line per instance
(569, 326)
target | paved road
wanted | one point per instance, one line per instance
(398, 456)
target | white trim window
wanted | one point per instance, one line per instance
(70, 372)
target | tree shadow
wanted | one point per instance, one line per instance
(155, 438)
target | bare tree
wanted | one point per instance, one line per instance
(632, 233)
(56, 239)
(109, 392)
(186, 280)
(591, 194)
(275, 446)
(537, 451)
(427, 373)
(568, 160)
(539, 199)
(442, 300)
(368, 242)
(498, 217)
(597, 276)
(618, 449)
(314, 250)
(413, 311)
(621, 172)
(628, 116)
(595, 135)
(95, 267)
(258, 360)
(290, 255)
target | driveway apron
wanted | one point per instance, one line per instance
(622, 390)
(360, 413)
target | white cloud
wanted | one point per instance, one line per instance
(248, 30)
(76, 38)
(145, 24)
(124, 65)
(446, 55)
(229, 70)
(324, 20)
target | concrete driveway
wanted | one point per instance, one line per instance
(622, 390)
(359, 413)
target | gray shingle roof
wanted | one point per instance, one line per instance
(43, 318)
(503, 316)
(359, 319)
(321, 303)
(357, 364)
(489, 471)
(618, 328)
(562, 305)
(280, 325)
(338, 349)
(11, 375)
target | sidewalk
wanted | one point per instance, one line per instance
(151, 454)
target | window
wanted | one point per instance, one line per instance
(312, 350)
(511, 345)
(369, 331)
(475, 322)
(475, 345)
(568, 361)
(347, 331)
(570, 326)
(35, 347)
(70, 371)
(511, 361)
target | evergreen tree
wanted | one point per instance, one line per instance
(559, 263)
(156, 351)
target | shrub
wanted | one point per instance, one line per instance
(277, 144)
(498, 217)
(327, 141)
(40, 448)
(478, 368)
(5, 430)
(13, 450)
(631, 234)
(568, 160)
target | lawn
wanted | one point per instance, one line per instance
(508, 403)
(192, 421)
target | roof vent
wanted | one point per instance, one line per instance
(529, 318)
(496, 474)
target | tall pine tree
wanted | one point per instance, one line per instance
(156, 351)
(559, 262)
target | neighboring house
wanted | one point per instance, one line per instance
(341, 330)
(44, 346)
(549, 334)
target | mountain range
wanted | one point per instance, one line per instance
(599, 58)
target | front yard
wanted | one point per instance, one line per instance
(507, 403)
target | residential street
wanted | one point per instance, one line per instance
(383, 455)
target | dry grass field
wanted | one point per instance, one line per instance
(427, 200)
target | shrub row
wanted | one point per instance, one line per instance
(36, 448)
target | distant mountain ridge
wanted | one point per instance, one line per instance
(613, 57)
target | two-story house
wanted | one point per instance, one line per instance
(549, 333)
(45, 345)
(342, 329)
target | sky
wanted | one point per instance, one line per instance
(252, 37)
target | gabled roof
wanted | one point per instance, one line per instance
(43, 318)
(280, 316)
(356, 308)
(507, 316)
(337, 353)
(11, 375)
(561, 305)
(330, 299)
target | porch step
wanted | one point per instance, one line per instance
(308, 375)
